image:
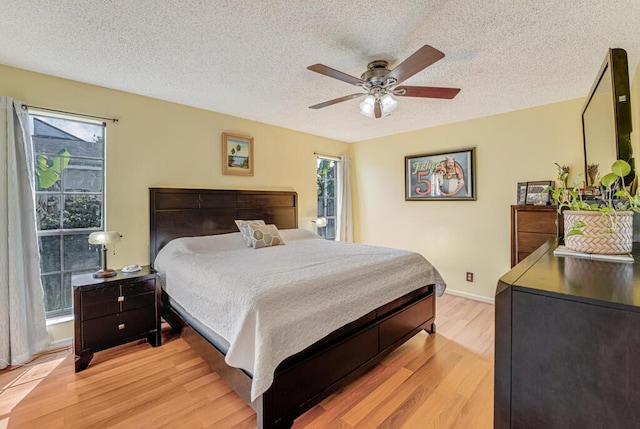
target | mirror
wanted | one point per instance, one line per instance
(606, 118)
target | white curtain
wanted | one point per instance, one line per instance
(344, 224)
(23, 330)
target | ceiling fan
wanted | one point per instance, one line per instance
(380, 83)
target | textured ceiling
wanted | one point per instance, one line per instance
(248, 58)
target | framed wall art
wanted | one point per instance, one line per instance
(539, 193)
(521, 195)
(441, 176)
(237, 155)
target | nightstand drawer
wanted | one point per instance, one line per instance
(99, 302)
(96, 333)
(136, 288)
(133, 302)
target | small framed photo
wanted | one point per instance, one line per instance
(237, 155)
(440, 176)
(521, 195)
(539, 193)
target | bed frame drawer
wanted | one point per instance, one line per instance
(313, 375)
(395, 328)
(396, 304)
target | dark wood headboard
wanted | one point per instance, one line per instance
(177, 212)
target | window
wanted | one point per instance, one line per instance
(327, 172)
(69, 184)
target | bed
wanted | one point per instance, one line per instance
(303, 379)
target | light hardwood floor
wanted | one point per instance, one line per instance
(439, 381)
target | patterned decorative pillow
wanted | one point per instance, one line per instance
(243, 226)
(264, 236)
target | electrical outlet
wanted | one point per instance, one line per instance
(470, 277)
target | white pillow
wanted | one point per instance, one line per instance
(243, 226)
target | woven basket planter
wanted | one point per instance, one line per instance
(599, 236)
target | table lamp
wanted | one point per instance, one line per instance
(104, 238)
(321, 222)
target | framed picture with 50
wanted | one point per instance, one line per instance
(441, 176)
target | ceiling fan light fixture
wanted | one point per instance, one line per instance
(367, 106)
(389, 104)
(380, 83)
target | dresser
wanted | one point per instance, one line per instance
(113, 311)
(567, 343)
(530, 227)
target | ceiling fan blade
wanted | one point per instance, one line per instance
(377, 110)
(426, 91)
(336, 100)
(328, 71)
(420, 60)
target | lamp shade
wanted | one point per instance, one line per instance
(104, 237)
(389, 104)
(321, 222)
(367, 106)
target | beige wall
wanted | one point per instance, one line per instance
(157, 143)
(461, 236)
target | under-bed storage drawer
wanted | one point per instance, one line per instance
(310, 378)
(396, 327)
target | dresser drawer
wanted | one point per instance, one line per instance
(530, 241)
(98, 333)
(544, 222)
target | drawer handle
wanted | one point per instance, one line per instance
(120, 298)
(121, 326)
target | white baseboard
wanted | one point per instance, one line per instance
(59, 345)
(470, 296)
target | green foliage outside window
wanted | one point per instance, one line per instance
(48, 171)
(80, 212)
(325, 170)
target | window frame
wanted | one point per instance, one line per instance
(332, 220)
(62, 193)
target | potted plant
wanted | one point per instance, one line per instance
(605, 226)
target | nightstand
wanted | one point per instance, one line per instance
(113, 311)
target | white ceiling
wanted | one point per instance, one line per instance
(248, 58)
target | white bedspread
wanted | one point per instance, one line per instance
(272, 303)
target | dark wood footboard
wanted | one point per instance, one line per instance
(303, 380)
